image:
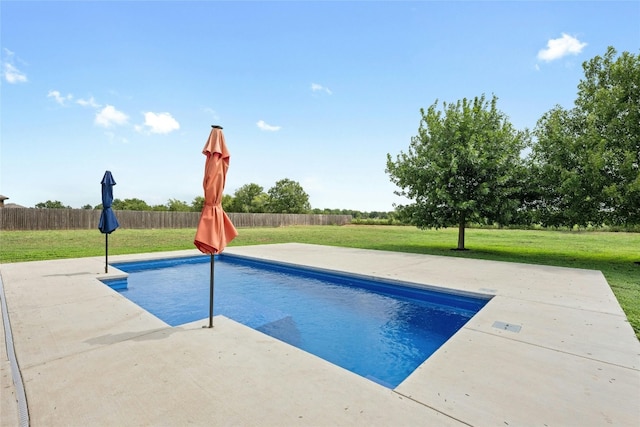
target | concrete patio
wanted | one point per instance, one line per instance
(90, 357)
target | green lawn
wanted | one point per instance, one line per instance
(617, 255)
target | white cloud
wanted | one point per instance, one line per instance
(11, 73)
(265, 126)
(57, 96)
(109, 116)
(91, 102)
(315, 87)
(560, 47)
(158, 123)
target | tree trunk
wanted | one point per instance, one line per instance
(461, 227)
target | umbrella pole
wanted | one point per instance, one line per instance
(106, 252)
(211, 295)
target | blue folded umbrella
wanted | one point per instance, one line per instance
(108, 221)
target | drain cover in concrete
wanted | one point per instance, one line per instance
(507, 326)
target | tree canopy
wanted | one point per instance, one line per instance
(462, 167)
(198, 204)
(585, 162)
(133, 204)
(178, 206)
(52, 204)
(287, 196)
(249, 198)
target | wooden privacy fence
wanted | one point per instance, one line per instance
(79, 219)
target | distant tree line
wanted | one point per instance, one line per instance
(286, 196)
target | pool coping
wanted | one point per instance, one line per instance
(551, 347)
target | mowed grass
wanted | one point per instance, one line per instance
(617, 255)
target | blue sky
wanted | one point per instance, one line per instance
(317, 92)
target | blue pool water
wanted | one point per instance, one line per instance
(374, 328)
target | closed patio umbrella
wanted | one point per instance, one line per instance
(108, 221)
(215, 229)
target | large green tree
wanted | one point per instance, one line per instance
(288, 196)
(249, 198)
(461, 168)
(586, 160)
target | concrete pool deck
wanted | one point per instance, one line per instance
(552, 347)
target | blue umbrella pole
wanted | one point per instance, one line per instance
(106, 252)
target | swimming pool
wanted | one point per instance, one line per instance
(375, 328)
